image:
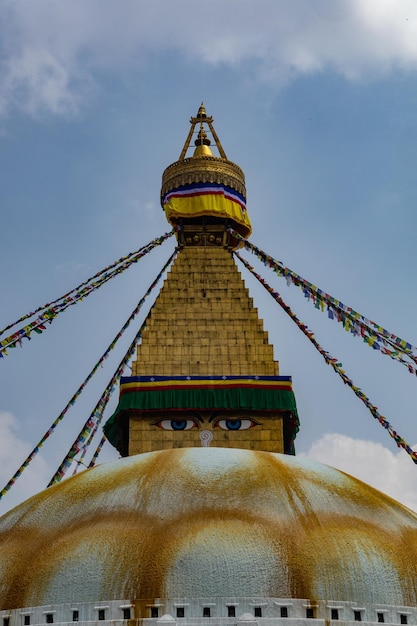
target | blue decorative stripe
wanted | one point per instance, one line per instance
(145, 379)
(195, 189)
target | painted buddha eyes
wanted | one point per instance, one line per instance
(177, 424)
(224, 424)
(235, 424)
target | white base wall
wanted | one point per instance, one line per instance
(247, 612)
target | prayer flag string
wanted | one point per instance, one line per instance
(96, 415)
(335, 364)
(51, 310)
(358, 325)
(97, 452)
(84, 449)
(81, 388)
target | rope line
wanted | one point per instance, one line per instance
(335, 364)
(80, 389)
(374, 335)
(97, 452)
(84, 449)
(72, 297)
(96, 415)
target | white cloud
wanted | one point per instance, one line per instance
(13, 451)
(36, 81)
(51, 50)
(394, 474)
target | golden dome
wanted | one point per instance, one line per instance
(208, 522)
(202, 144)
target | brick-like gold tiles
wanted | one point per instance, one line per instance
(204, 322)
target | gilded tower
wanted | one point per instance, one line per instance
(205, 372)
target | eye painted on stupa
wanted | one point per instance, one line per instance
(176, 424)
(235, 424)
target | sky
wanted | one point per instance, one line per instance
(316, 101)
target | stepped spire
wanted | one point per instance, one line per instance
(205, 373)
(204, 194)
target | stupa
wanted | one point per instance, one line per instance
(209, 518)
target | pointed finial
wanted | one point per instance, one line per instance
(201, 115)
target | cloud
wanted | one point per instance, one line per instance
(52, 51)
(394, 474)
(35, 82)
(13, 451)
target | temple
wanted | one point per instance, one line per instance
(209, 518)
